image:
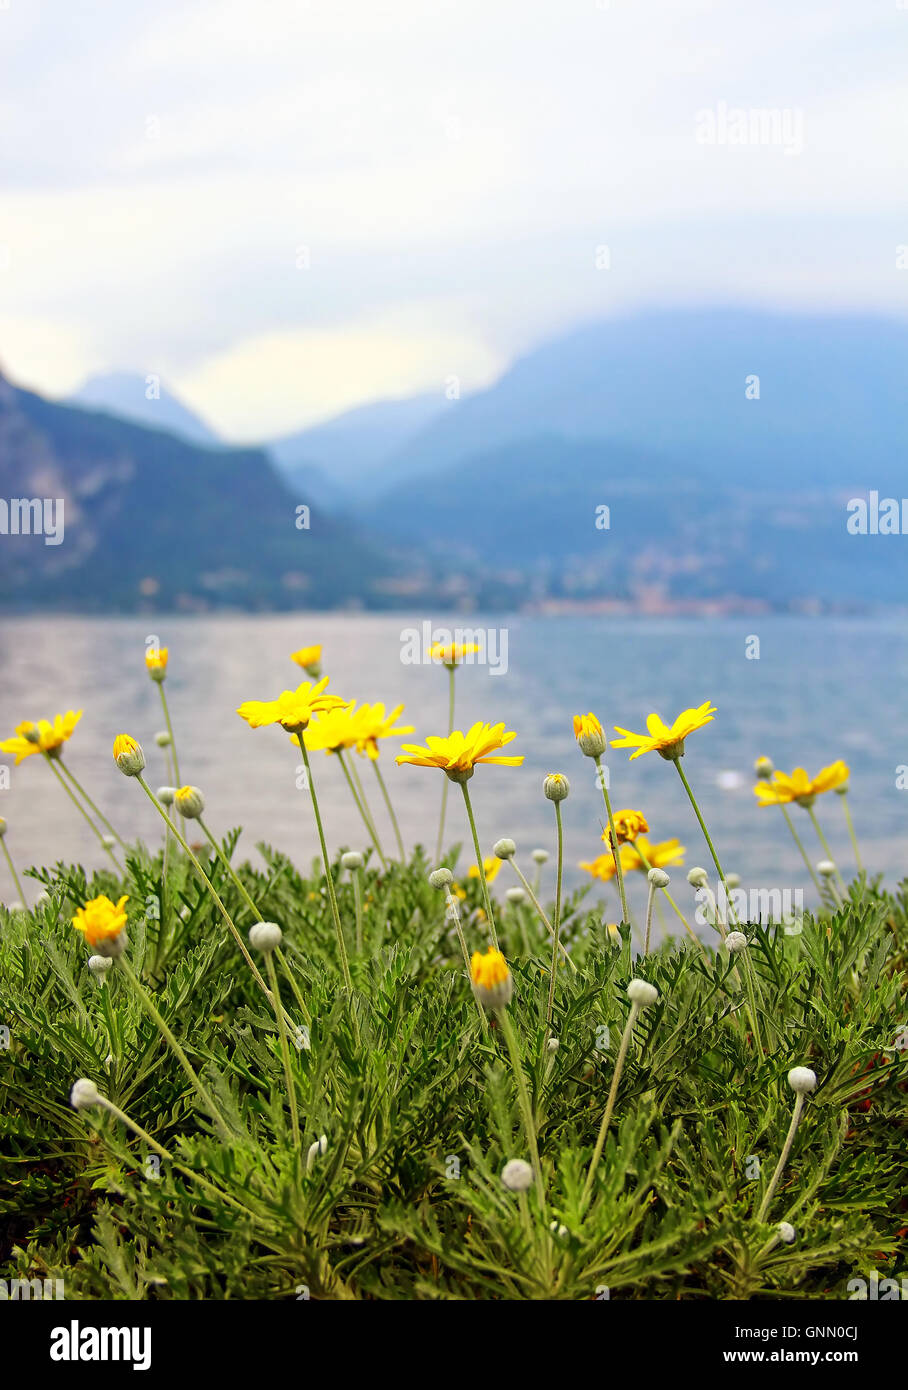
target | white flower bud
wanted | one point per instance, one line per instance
(736, 941)
(352, 859)
(166, 795)
(826, 868)
(642, 993)
(517, 1175)
(440, 878)
(733, 880)
(697, 878)
(16, 906)
(802, 1080)
(162, 739)
(504, 849)
(84, 1095)
(99, 966)
(540, 856)
(659, 878)
(515, 895)
(553, 1044)
(786, 1232)
(189, 802)
(108, 841)
(557, 1229)
(556, 786)
(265, 936)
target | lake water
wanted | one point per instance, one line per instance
(821, 689)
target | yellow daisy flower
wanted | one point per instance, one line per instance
(450, 653)
(156, 662)
(310, 658)
(293, 709)
(42, 737)
(667, 741)
(492, 868)
(603, 866)
(628, 825)
(373, 724)
(458, 754)
(666, 852)
(100, 919)
(782, 789)
(332, 731)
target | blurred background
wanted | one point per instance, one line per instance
(586, 323)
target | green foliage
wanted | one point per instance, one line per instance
(404, 1199)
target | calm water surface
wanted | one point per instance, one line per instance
(821, 689)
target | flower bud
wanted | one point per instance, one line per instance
(166, 795)
(517, 1175)
(659, 878)
(128, 755)
(84, 1095)
(802, 1079)
(156, 663)
(162, 738)
(732, 880)
(589, 735)
(352, 859)
(553, 1044)
(764, 768)
(99, 966)
(556, 786)
(697, 878)
(540, 856)
(108, 841)
(736, 941)
(515, 895)
(786, 1232)
(504, 849)
(265, 936)
(189, 802)
(491, 979)
(441, 878)
(614, 936)
(826, 868)
(642, 993)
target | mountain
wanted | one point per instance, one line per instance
(833, 392)
(151, 520)
(564, 519)
(351, 448)
(145, 400)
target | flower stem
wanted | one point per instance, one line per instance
(329, 883)
(366, 807)
(852, 835)
(444, 791)
(539, 909)
(825, 843)
(482, 873)
(786, 1150)
(610, 1102)
(556, 931)
(677, 911)
(147, 1004)
(285, 1049)
(82, 811)
(173, 745)
(12, 868)
(712, 849)
(257, 917)
(384, 792)
(452, 910)
(749, 980)
(613, 838)
(800, 844)
(358, 907)
(367, 821)
(523, 1100)
(650, 900)
(228, 920)
(91, 805)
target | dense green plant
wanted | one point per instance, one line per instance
(403, 1198)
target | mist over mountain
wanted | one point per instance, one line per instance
(832, 404)
(144, 400)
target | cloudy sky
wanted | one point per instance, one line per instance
(289, 207)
